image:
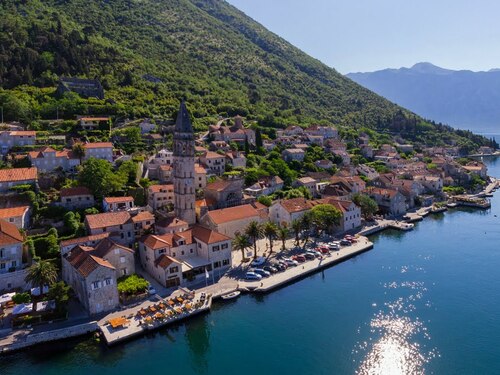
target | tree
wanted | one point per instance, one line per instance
(297, 227)
(241, 242)
(98, 176)
(79, 151)
(368, 205)
(59, 292)
(306, 222)
(283, 234)
(41, 273)
(128, 171)
(255, 232)
(265, 200)
(324, 216)
(270, 232)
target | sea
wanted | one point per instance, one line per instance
(421, 302)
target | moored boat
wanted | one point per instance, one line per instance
(231, 295)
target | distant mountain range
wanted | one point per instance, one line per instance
(460, 98)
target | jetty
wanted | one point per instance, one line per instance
(136, 322)
(306, 268)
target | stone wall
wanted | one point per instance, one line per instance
(13, 280)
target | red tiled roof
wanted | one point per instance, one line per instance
(118, 199)
(225, 215)
(85, 263)
(107, 219)
(9, 234)
(164, 261)
(106, 245)
(156, 188)
(143, 216)
(86, 239)
(295, 205)
(98, 145)
(18, 174)
(208, 236)
(6, 213)
(23, 133)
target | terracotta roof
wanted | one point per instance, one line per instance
(9, 234)
(143, 216)
(86, 239)
(219, 185)
(199, 169)
(166, 167)
(306, 180)
(73, 191)
(118, 199)
(225, 215)
(213, 155)
(171, 222)
(18, 174)
(107, 219)
(295, 205)
(154, 241)
(105, 246)
(164, 261)
(98, 145)
(6, 213)
(85, 263)
(389, 193)
(208, 236)
(156, 188)
(22, 132)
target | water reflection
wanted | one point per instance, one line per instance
(397, 343)
(198, 340)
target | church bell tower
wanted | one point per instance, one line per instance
(183, 168)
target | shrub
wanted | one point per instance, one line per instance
(132, 284)
(21, 298)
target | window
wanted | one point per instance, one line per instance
(217, 264)
(191, 251)
(117, 251)
(225, 262)
(182, 252)
(108, 281)
(122, 259)
(199, 245)
(174, 269)
(14, 263)
(2, 266)
(95, 285)
(215, 248)
(173, 254)
(224, 246)
(161, 251)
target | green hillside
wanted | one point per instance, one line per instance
(207, 51)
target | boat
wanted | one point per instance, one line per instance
(451, 205)
(231, 295)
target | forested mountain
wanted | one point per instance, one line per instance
(460, 98)
(150, 53)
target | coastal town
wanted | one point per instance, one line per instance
(124, 226)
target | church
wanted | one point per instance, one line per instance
(185, 251)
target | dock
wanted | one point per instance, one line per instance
(123, 328)
(304, 269)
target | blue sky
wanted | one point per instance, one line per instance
(366, 35)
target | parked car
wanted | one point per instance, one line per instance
(257, 262)
(282, 266)
(309, 255)
(323, 250)
(262, 272)
(345, 242)
(253, 276)
(316, 253)
(271, 269)
(299, 258)
(151, 289)
(334, 246)
(290, 262)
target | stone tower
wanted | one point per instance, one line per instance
(183, 168)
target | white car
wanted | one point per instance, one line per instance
(151, 290)
(259, 261)
(291, 262)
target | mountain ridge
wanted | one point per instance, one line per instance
(208, 52)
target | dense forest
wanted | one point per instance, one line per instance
(148, 54)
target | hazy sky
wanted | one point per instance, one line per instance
(366, 35)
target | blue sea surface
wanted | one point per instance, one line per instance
(425, 301)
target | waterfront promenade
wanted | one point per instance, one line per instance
(303, 269)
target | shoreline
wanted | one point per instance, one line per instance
(267, 285)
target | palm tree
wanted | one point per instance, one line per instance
(241, 242)
(270, 231)
(306, 226)
(297, 227)
(44, 272)
(283, 234)
(254, 231)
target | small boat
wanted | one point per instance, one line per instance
(231, 295)
(451, 205)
